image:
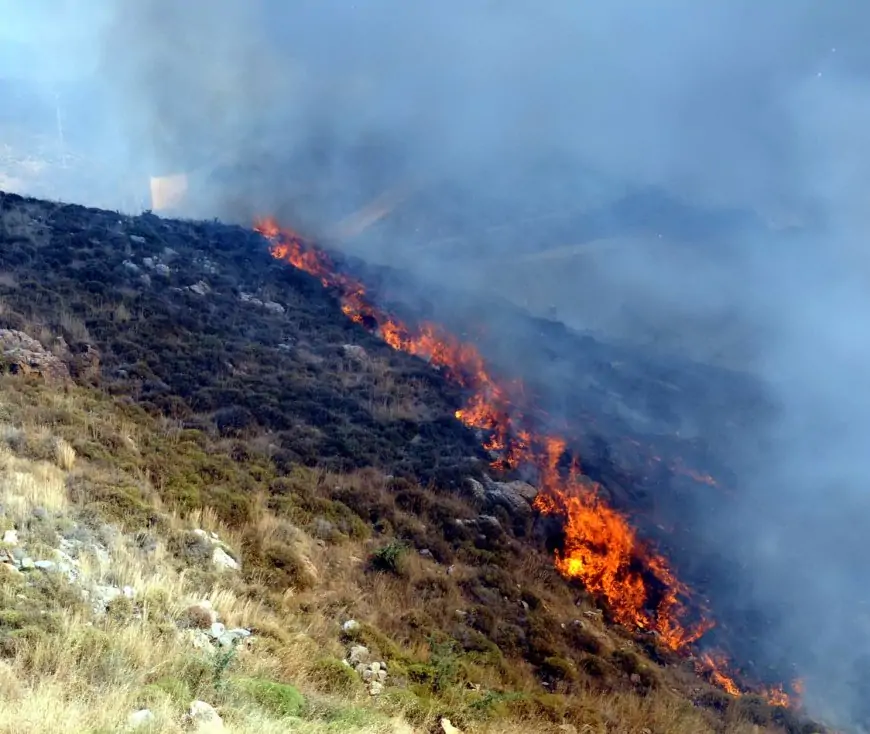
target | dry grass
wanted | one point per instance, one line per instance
(86, 674)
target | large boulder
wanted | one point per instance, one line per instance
(516, 497)
(21, 354)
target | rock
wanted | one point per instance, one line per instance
(489, 523)
(367, 674)
(45, 565)
(201, 288)
(355, 351)
(516, 497)
(224, 560)
(27, 563)
(448, 728)
(204, 718)
(358, 654)
(10, 537)
(148, 262)
(131, 266)
(382, 675)
(140, 718)
(233, 636)
(426, 553)
(376, 688)
(23, 355)
(137, 239)
(350, 626)
(274, 307)
(476, 490)
(161, 269)
(216, 630)
(375, 667)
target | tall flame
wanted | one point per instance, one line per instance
(601, 548)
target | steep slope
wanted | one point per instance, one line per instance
(214, 389)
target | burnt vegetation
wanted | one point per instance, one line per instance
(205, 398)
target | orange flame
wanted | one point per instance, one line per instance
(601, 548)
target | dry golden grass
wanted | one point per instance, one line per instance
(87, 675)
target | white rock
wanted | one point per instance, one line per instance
(274, 307)
(350, 626)
(448, 728)
(201, 288)
(128, 592)
(376, 688)
(137, 239)
(375, 667)
(358, 654)
(382, 675)
(200, 532)
(10, 537)
(148, 262)
(140, 718)
(217, 629)
(45, 565)
(224, 560)
(204, 718)
(161, 269)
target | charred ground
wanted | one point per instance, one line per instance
(254, 366)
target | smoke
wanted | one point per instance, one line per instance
(515, 128)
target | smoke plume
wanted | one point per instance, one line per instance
(485, 133)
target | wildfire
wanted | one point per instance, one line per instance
(601, 548)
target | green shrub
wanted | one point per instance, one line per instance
(331, 675)
(559, 669)
(278, 699)
(173, 689)
(390, 558)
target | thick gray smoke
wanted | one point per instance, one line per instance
(500, 123)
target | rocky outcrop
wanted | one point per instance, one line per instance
(21, 354)
(515, 497)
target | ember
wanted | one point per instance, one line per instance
(601, 548)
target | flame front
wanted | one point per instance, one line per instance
(601, 548)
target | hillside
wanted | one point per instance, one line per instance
(218, 488)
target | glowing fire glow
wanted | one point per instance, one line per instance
(601, 548)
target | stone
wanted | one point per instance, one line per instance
(27, 563)
(45, 565)
(448, 727)
(161, 269)
(274, 307)
(140, 718)
(204, 718)
(350, 626)
(358, 654)
(10, 537)
(376, 688)
(355, 351)
(201, 288)
(148, 262)
(476, 490)
(233, 636)
(367, 674)
(375, 667)
(382, 675)
(131, 266)
(137, 239)
(224, 560)
(516, 497)
(216, 630)
(23, 355)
